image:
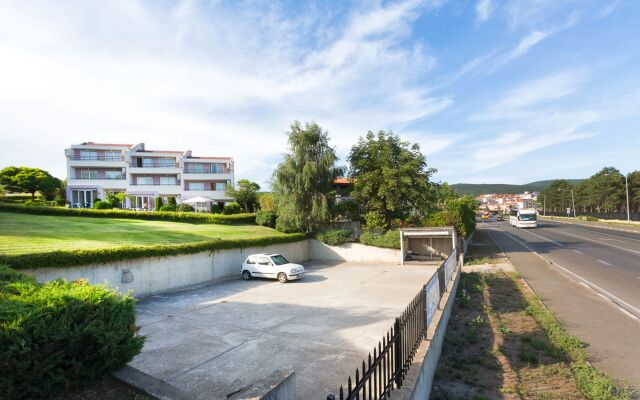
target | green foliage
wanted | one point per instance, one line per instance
(267, 202)
(65, 258)
(61, 335)
(391, 239)
(443, 194)
(303, 181)
(215, 209)
(334, 237)
(390, 176)
(266, 218)
(348, 209)
(459, 213)
(168, 208)
(114, 200)
(375, 221)
(34, 203)
(159, 203)
(185, 208)
(30, 180)
(237, 219)
(172, 201)
(102, 205)
(231, 208)
(438, 218)
(245, 193)
(592, 219)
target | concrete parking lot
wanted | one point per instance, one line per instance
(214, 340)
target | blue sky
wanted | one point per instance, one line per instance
(493, 91)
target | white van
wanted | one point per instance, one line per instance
(523, 218)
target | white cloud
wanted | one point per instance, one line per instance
(215, 78)
(484, 8)
(528, 42)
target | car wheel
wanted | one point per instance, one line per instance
(246, 275)
(282, 277)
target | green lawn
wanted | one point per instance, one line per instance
(23, 233)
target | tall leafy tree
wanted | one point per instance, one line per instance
(557, 196)
(303, 182)
(245, 193)
(30, 180)
(390, 176)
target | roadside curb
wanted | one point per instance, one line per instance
(150, 385)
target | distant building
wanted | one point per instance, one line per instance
(342, 187)
(97, 169)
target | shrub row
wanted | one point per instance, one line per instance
(235, 219)
(60, 335)
(334, 237)
(266, 218)
(65, 258)
(390, 239)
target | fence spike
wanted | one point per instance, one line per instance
(341, 393)
(349, 386)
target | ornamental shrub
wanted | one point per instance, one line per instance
(35, 203)
(185, 208)
(266, 218)
(60, 335)
(102, 205)
(215, 209)
(159, 203)
(374, 221)
(172, 201)
(231, 208)
(113, 200)
(390, 239)
(168, 208)
(334, 237)
(189, 217)
(348, 209)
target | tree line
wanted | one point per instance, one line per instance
(603, 192)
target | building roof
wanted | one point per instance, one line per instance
(342, 181)
(199, 157)
(105, 144)
(160, 151)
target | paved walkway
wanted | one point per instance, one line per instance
(217, 339)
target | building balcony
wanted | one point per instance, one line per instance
(98, 161)
(200, 175)
(212, 194)
(158, 188)
(98, 182)
(155, 169)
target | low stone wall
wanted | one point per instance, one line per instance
(153, 275)
(352, 252)
(280, 385)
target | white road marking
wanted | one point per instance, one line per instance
(615, 240)
(544, 238)
(595, 241)
(629, 314)
(577, 251)
(603, 262)
(597, 289)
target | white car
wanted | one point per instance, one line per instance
(273, 266)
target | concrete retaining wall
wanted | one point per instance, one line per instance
(280, 385)
(352, 252)
(160, 274)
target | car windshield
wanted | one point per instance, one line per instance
(279, 260)
(527, 217)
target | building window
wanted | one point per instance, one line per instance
(112, 155)
(145, 180)
(221, 185)
(196, 186)
(113, 174)
(167, 180)
(88, 174)
(88, 155)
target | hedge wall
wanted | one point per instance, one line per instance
(60, 335)
(65, 258)
(236, 219)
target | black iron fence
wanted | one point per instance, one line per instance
(386, 369)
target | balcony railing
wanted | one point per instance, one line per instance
(177, 183)
(108, 178)
(97, 158)
(156, 165)
(207, 171)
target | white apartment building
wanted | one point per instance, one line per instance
(97, 169)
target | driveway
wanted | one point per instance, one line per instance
(216, 339)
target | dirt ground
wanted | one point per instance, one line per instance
(495, 350)
(106, 388)
(483, 250)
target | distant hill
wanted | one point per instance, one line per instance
(483, 188)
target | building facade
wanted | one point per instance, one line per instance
(95, 170)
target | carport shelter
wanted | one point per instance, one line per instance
(426, 244)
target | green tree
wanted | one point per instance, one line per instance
(303, 182)
(557, 196)
(30, 180)
(443, 192)
(245, 193)
(267, 202)
(604, 191)
(634, 191)
(390, 176)
(159, 203)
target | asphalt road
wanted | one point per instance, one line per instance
(589, 276)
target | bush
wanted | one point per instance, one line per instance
(34, 203)
(102, 205)
(231, 208)
(60, 335)
(440, 218)
(215, 209)
(113, 200)
(592, 219)
(391, 239)
(185, 208)
(374, 221)
(65, 258)
(172, 201)
(348, 209)
(266, 218)
(190, 217)
(159, 203)
(168, 208)
(334, 237)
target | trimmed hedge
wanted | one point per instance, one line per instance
(391, 239)
(65, 258)
(60, 335)
(102, 205)
(231, 208)
(168, 208)
(197, 218)
(334, 237)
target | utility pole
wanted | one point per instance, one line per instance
(626, 181)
